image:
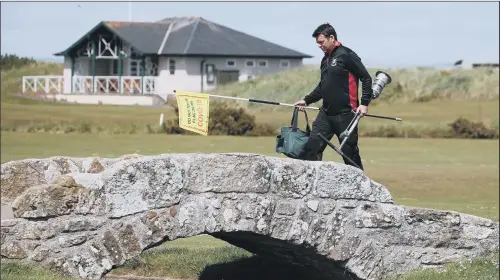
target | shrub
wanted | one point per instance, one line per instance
(224, 120)
(9, 61)
(464, 128)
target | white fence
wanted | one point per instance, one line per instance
(90, 84)
(46, 84)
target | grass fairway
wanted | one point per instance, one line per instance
(459, 175)
(420, 117)
(451, 174)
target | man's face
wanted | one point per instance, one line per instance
(325, 43)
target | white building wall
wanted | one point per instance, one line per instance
(187, 75)
(67, 75)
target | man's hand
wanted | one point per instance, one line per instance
(301, 104)
(362, 109)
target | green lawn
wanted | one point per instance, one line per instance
(452, 174)
(434, 114)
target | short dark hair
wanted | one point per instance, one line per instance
(326, 29)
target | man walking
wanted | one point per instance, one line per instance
(341, 68)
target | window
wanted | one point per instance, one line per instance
(171, 66)
(262, 63)
(134, 67)
(250, 63)
(210, 70)
(230, 63)
(285, 63)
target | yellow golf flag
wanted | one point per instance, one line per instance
(193, 111)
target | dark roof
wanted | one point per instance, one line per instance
(190, 36)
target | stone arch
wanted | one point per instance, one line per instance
(84, 216)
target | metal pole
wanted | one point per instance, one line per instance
(383, 117)
(72, 71)
(337, 150)
(143, 70)
(93, 65)
(347, 133)
(289, 105)
(129, 11)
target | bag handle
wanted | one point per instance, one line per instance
(295, 120)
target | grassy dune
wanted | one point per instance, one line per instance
(408, 86)
(12, 80)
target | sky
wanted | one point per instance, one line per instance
(383, 34)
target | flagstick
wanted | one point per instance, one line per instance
(289, 105)
(257, 101)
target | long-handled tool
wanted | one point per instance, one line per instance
(337, 150)
(290, 105)
(350, 128)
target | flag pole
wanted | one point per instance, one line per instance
(289, 105)
(257, 101)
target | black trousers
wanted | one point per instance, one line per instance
(329, 126)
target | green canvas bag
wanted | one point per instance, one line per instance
(292, 140)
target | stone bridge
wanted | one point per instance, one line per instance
(85, 216)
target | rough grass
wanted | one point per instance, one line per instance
(409, 85)
(12, 80)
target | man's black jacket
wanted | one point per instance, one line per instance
(341, 71)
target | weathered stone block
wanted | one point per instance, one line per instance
(13, 250)
(58, 198)
(287, 207)
(69, 241)
(141, 184)
(292, 179)
(228, 173)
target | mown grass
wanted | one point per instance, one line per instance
(16, 271)
(483, 268)
(431, 119)
(186, 258)
(192, 258)
(452, 174)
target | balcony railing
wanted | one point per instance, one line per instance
(91, 85)
(45, 84)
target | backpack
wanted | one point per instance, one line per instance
(292, 140)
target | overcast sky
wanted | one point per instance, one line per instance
(383, 33)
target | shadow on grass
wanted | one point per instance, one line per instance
(257, 267)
